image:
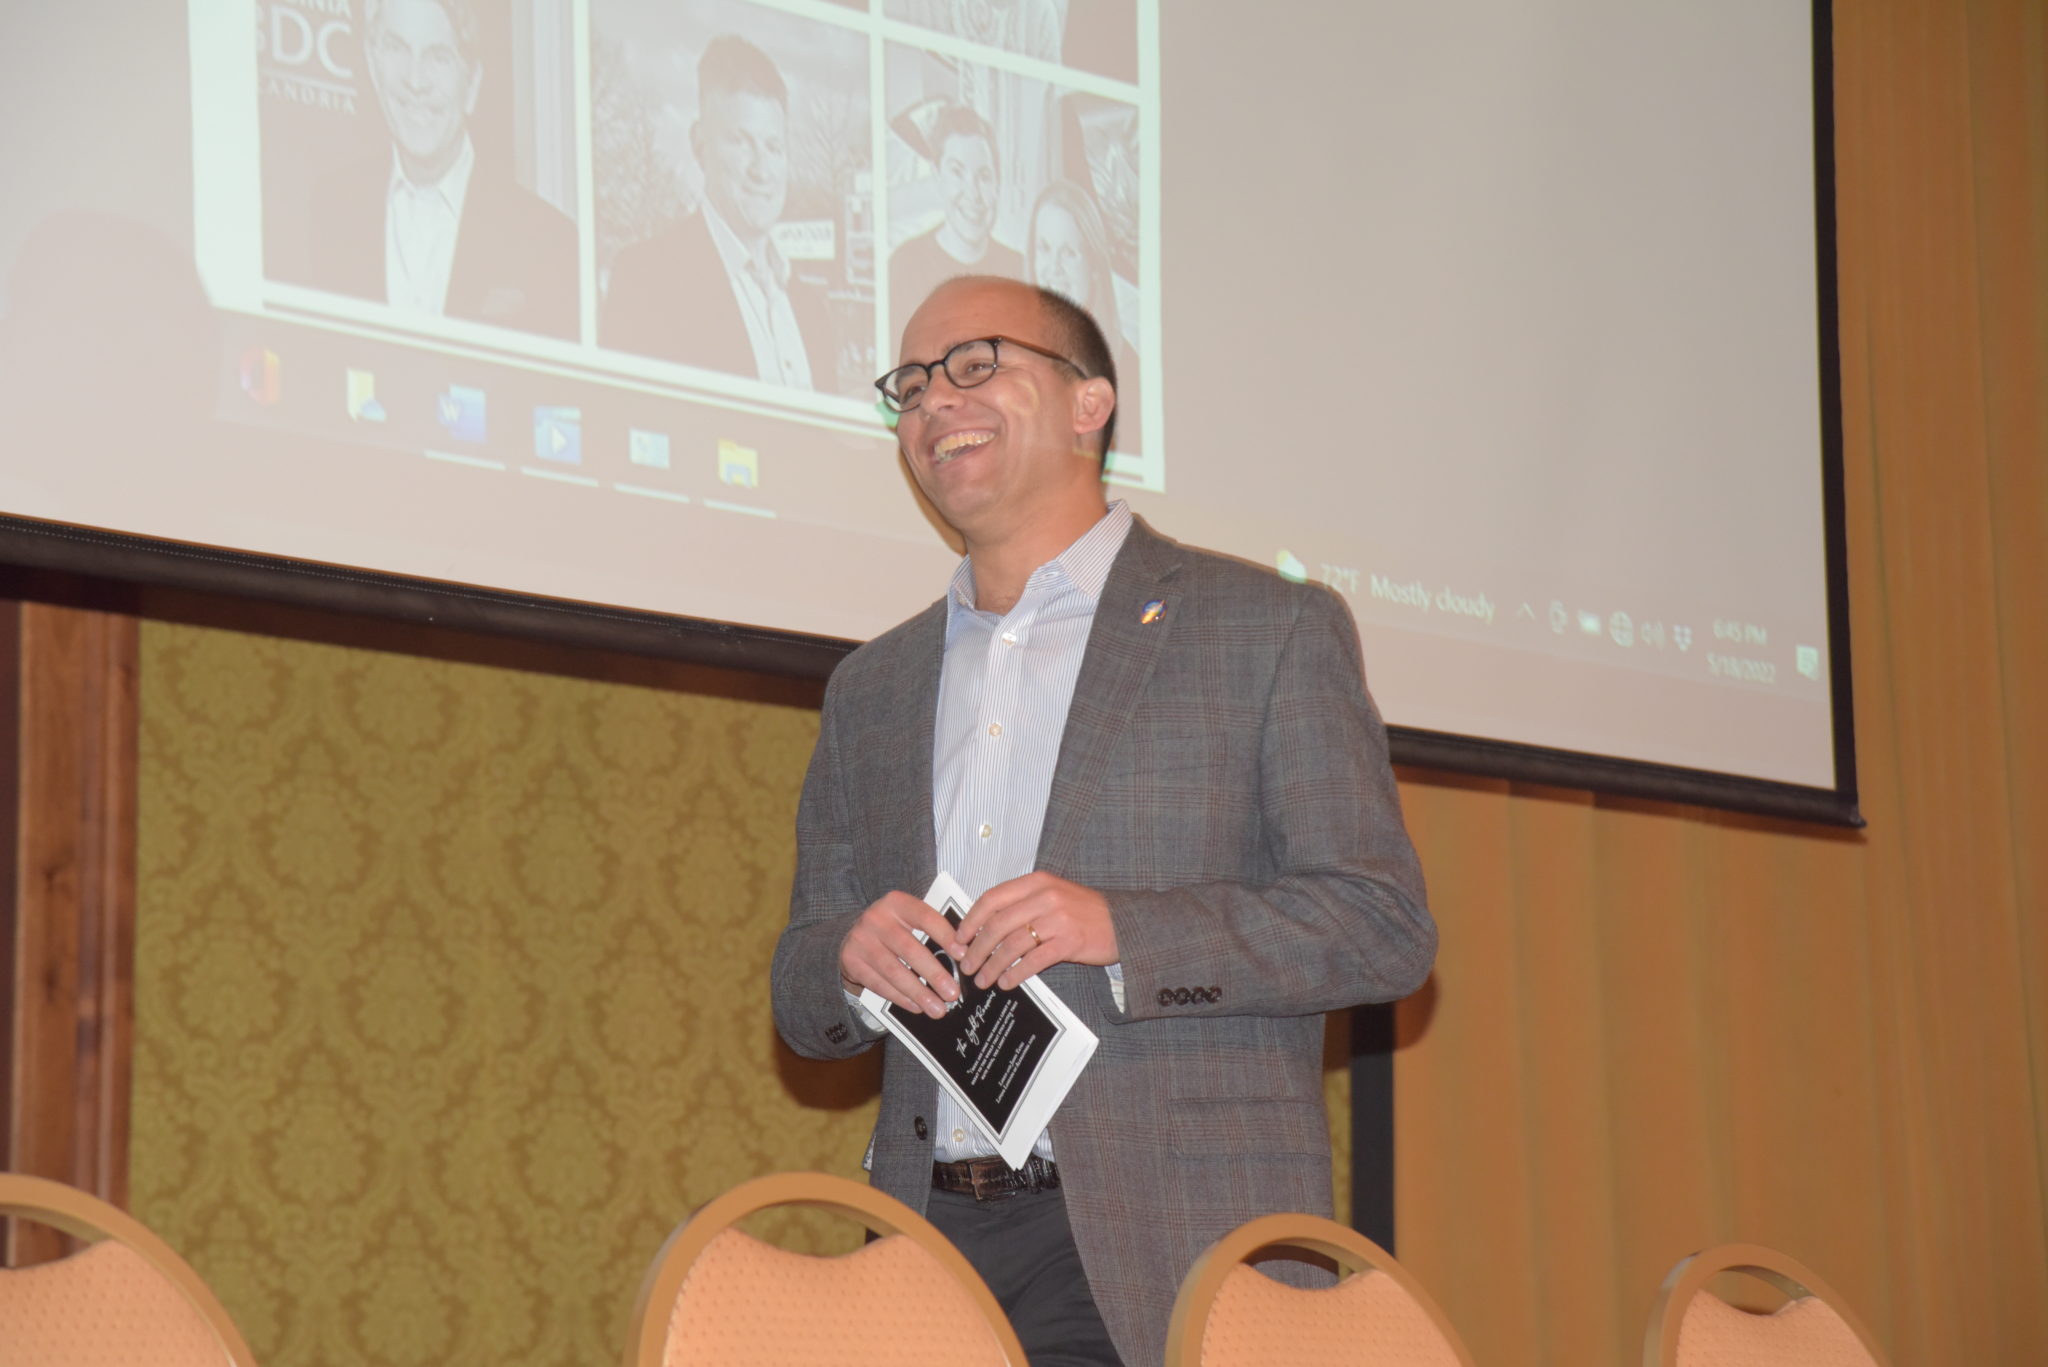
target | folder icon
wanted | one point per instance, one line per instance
(363, 404)
(738, 466)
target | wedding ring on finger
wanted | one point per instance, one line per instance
(1033, 933)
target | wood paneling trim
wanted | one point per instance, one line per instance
(71, 900)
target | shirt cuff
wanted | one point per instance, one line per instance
(867, 1017)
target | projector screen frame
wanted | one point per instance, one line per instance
(124, 559)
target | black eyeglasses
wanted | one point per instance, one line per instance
(966, 365)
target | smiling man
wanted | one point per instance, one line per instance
(717, 292)
(1159, 773)
(430, 227)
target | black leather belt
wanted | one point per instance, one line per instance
(991, 1179)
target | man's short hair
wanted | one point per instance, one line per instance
(733, 66)
(461, 17)
(962, 121)
(1075, 332)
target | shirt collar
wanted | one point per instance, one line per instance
(454, 182)
(1085, 564)
(735, 255)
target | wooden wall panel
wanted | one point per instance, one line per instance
(68, 711)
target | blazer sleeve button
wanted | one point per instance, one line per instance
(919, 1128)
(1166, 996)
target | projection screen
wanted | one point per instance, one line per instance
(1511, 322)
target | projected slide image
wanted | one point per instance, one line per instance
(734, 208)
(1091, 35)
(997, 173)
(411, 159)
(731, 202)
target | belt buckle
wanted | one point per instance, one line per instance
(982, 1177)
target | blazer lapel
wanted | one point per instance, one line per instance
(896, 808)
(1132, 621)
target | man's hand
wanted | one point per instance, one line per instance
(1025, 926)
(881, 952)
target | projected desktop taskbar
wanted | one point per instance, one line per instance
(1620, 628)
(327, 395)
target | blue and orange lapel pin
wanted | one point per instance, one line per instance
(1152, 612)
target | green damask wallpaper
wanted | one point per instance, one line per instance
(450, 993)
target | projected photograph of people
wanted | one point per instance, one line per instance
(1092, 35)
(421, 154)
(734, 204)
(995, 173)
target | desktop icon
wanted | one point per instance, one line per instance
(1621, 629)
(558, 434)
(1652, 634)
(1808, 660)
(1290, 567)
(738, 466)
(1589, 622)
(262, 375)
(647, 448)
(1682, 637)
(1558, 616)
(461, 411)
(363, 403)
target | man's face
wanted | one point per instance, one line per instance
(967, 171)
(741, 141)
(992, 456)
(426, 86)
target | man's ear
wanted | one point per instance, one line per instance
(1094, 401)
(476, 83)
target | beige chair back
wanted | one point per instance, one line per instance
(718, 1297)
(124, 1299)
(1229, 1314)
(1690, 1326)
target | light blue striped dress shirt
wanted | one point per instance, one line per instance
(1003, 696)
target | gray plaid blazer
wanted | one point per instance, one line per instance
(1224, 780)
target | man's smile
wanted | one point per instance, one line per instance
(953, 443)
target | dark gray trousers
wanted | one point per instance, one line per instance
(1023, 1248)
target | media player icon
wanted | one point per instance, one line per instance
(558, 435)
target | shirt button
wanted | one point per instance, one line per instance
(987, 830)
(995, 728)
(959, 1136)
(1009, 638)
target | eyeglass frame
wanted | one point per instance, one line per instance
(997, 342)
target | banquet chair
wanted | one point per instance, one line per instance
(717, 1295)
(1229, 1314)
(125, 1297)
(1690, 1326)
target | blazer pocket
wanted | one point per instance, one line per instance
(1247, 1127)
